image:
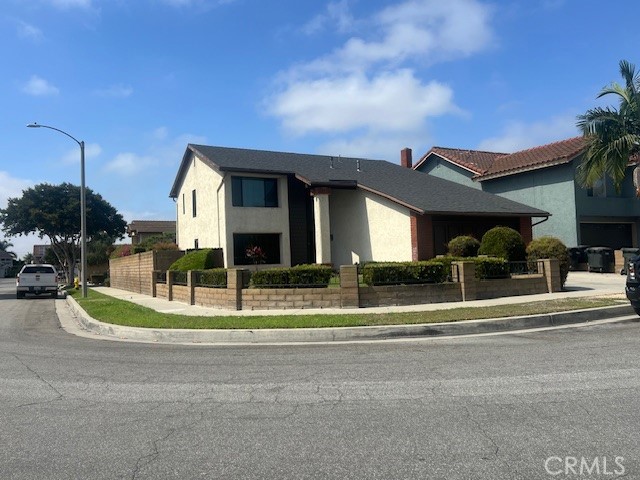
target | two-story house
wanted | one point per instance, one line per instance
(301, 208)
(544, 177)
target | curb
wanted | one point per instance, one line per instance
(345, 334)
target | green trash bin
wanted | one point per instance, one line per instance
(600, 259)
(627, 255)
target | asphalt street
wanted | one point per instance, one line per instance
(537, 405)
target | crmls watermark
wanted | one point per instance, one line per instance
(585, 466)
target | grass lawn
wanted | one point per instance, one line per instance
(120, 312)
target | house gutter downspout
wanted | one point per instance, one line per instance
(541, 221)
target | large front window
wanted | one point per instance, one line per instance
(254, 192)
(250, 248)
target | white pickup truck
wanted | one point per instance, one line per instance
(39, 279)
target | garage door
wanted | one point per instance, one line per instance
(613, 235)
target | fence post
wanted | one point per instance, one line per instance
(154, 275)
(169, 286)
(467, 279)
(234, 288)
(349, 290)
(551, 268)
(191, 286)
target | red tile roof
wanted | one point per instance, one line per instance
(538, 157)
(488, 165)
(474, 160)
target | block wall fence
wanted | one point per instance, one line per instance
(350, 294)
(134, 272)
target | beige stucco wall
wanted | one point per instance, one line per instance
(208, 226)
(366, 226)
(259, 219)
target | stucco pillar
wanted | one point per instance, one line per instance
(322, 224)
(191, 285)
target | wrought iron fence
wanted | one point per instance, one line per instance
(524, 268)
(178, 278)
(211, 279)
(160, 276)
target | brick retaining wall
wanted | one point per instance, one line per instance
(133, 272)
(383, 296)
(283, 298)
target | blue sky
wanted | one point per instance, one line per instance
(139, 79)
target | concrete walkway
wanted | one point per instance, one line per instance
(579, 284)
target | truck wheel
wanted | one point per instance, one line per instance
(54, 294)
(637, 310)
(19, 295)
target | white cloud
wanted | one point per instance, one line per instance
(29, 32)
(72, 157)
(37, 86)
(129, 164)
(391, 101)
(116, 91)
(369, 85)
(519, 135)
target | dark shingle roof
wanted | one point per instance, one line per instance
(416, 190)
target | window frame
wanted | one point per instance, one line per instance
(240, 192)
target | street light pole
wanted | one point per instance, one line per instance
(83, 208)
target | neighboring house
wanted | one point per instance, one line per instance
(141, 230)
(39, 252)
(544, 177)
(6, 262)
(301, 208)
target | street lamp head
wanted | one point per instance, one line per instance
(34, 125)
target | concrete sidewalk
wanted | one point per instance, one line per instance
(579, 284)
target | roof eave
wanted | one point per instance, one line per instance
(491, 176)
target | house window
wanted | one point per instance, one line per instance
(254, 192)
(269, 243)
(195, 244)
(183, 205)
(598, 189)
(193, 203)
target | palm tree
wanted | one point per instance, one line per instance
(5, 245)
(613, 135)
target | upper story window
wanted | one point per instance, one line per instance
(194, 209)
(254, 192)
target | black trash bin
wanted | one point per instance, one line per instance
(600, 259)
(627, 255)
(577, 256)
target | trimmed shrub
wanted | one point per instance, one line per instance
(446, 261)
(489, 268)
(398, 273)
(164, 246)
(299, 276)
(503, 242)
(463, 246)
(214, 277)
(203, 259)
(138, 249)
(550, 247)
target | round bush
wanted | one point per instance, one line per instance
(463, 246)
(503, 242)
(550, 247)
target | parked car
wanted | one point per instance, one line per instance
(632, 288)
(39, 279)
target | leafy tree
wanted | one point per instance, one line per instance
(613, 134)
(53, 211)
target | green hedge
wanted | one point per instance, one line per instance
(398, 273)
(214, 277)
(298, 276)
(488, 268)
